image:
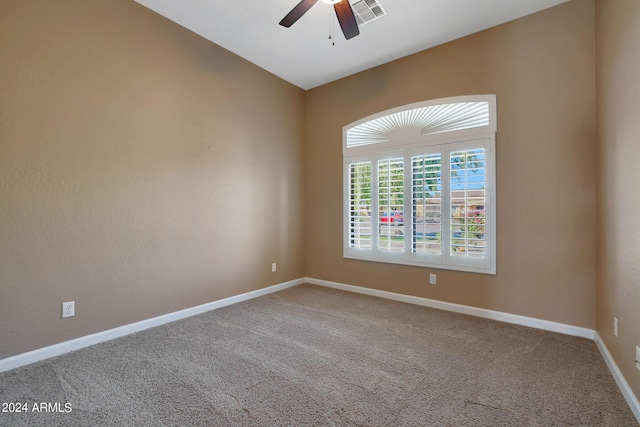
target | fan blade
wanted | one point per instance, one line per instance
(346, 19)
(297, 12)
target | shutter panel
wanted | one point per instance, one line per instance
(391, 204)
(467, 204)
(360, 236)
(426, 201)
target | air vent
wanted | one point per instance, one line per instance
(367, 10)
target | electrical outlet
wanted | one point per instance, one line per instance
(615, 326)
(638, 358)
(68, 309)
(273, 267)
(432, 279)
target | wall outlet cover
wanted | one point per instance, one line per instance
(68, 309)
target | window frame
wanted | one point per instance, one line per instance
(408, 142)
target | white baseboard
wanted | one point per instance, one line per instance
(464, 309)
(88, 340)
(631, 398)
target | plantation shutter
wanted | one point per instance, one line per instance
(391, 204)
(419, 185)
(468, 199)
(360, 233)
(426, 201)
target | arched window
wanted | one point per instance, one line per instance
(419, 185)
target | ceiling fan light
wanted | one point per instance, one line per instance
(331, 1)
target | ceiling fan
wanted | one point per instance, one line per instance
(343, 11)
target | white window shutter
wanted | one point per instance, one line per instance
(420, 185)
(359, 217)
(391, 204)
(426, 200)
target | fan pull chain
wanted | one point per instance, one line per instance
(331, 28)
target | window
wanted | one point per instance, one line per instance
(420, 185)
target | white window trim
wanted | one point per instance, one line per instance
(403, 140)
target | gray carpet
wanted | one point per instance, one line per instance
(317, 356)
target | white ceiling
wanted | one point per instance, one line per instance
(304, 55)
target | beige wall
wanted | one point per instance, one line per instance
(541, 68)
(618, 177)
(143, 170)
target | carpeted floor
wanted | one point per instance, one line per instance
(317, 356)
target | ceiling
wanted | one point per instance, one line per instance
(305, 56)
